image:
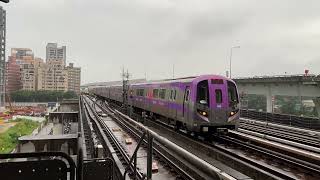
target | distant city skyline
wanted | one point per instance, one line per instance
(149, 37)
(26, 71)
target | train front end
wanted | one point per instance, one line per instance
(217, 106)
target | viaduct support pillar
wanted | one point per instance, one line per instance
(269, 100)
(317, 104)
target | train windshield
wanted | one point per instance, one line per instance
(203, 93)
(232, 94)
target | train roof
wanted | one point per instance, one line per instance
(168, 81)
(181, 80)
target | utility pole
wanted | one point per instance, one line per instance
(125, 88)
(173, 71)
(231, 59)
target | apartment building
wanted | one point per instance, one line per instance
(74, 78)
(13, 76)
(24, 71)
(3, 28)
(53, 52)
(56, 76)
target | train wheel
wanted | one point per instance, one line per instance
(208, 137)
(195, 135)
(177, 126)
(188, 132)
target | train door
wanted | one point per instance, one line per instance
(219, 100)
(186, 104)
(172, 103)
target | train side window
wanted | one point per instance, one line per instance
(155, 93)
(187, 95)
(218, 96)
(162, 93)
(141, 92)
(171, 94)
(175, 94)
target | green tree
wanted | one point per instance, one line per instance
(41, 96)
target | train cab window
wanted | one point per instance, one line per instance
(203, 93)
(232, 94)
(162, 93)
(218, 96)
(155, 93)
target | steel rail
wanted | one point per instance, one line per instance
(137, 134)
(275, 172)
(109, 136)
(265, 171)
(269, 124)
(308, 166)
(209, 169)
(159, 151)
(303, 141)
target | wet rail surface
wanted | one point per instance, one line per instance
(128, 143)
(179, 161)
(255, 162)
(298, 135)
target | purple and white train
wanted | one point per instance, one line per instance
(202, 104)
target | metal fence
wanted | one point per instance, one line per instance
(291, 120)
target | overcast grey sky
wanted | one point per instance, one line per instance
(149, 36)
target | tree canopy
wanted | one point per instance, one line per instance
(41, 96)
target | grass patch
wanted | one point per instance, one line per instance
(9, 139)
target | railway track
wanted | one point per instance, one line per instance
(114, 134)
(287, 160)
(252, 159)
(176, 167)
(297, 137)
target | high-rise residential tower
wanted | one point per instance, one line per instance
(2, 55)
(74, 78)
(13, 75)
(55, 53)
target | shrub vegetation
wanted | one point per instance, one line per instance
(9, 139)
(41, 96)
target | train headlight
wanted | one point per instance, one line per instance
(234, 112)
(203, 113)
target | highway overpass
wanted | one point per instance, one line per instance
(271, 86)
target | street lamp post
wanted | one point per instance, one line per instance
(231, 58)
